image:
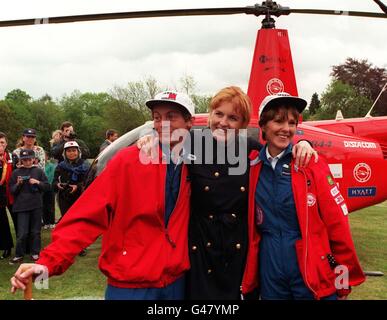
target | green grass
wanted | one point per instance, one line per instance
(84, 281)
(369, 231)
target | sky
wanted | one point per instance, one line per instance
(216, 51)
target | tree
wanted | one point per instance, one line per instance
(20, 103)
(135, 94)
(187, 84)
(341, 96)
(201, 103)
(87, 113)
(46, 115)
(9, 124)
(366, 79)
(121, 117)
(315, 104)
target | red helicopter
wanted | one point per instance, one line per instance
(356, 149)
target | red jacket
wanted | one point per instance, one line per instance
(322, 216)
(126, 205)
(7, 162)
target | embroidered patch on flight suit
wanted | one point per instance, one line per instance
(339, 199)
(345, 209)
(335, 191)
(285, 170)
(311, 199)
(331, 182)
(258, 215)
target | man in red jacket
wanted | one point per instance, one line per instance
(140, 207)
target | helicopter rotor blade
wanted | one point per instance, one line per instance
(381, 5)
(340, 13)
(256, 10)
(125, 15)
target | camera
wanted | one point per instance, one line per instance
(72, 135)
(25, 178)
(65, 186)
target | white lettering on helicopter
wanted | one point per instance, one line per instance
(360, 144)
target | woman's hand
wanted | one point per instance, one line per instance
(303, 152)
(146, 143)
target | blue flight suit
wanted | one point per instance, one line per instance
(280, 277)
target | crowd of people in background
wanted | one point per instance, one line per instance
(33, 179)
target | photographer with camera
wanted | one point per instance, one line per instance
(27, 184)
(69, 176)
(68, 134)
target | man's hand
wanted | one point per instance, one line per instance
(34, 181)
(74, 188)
(303, 152)
(23, 274)
(19, 180)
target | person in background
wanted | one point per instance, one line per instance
(56, 138)
(6, 199)
(49, 196)
(111, 136)
(27, 184)
(140, 205)
(68, 134)
(69, 176)
(301, 246)
(28, 141)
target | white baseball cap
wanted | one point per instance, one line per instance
(70, 144)
(178, 98)
(283, 98)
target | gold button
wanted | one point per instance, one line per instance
(322, 257)
(216, 174)
(233, 215)
(211, 216)
(208, 244)
(209, 271)
(194, 248)
(240, 288)
(243, 189)
(238, 246)
(206, 188)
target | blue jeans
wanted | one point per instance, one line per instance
(174, 291)
(28, 222)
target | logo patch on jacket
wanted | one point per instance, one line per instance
(331, 182)
(339, 199)
(335, 191)
(345, 209)
(310, 199)
(285, 170)
(258, 215)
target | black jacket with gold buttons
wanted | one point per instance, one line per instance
(218, 221)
